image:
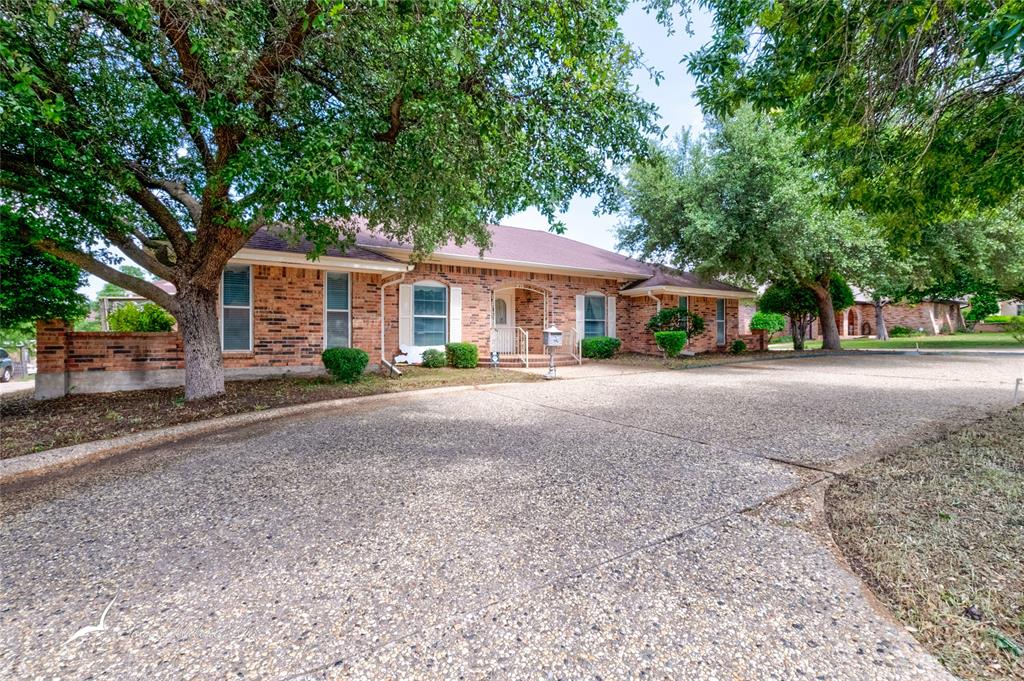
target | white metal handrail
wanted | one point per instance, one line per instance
(575, 345)
(511, 340)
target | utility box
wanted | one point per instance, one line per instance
(552, 337)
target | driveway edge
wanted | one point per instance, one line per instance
(26, 466)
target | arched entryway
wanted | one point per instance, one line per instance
(519, 313)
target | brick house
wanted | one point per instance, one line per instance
(279, 310)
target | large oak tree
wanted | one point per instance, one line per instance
(171, 130)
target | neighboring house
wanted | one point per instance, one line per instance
(930, 316)
(1011, 308)
(279, 310)
(108, 304)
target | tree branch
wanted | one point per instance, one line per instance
(139, 255)
(126, 281)
(176, 30)
(395, 118)
(262, 79)
(176, 190)
(164, 218)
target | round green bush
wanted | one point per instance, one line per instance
(600, 347)
(462, 355)
(670, 342)
(769, 322)
(674, 319)
(149, 318)
(433, 359)
(738, 346)
(345, 364)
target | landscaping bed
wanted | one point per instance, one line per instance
(956, 341)
(30, 425)
(705, 359)
(937, 531)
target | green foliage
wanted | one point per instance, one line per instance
(983, 304)
(867, 85)
(670, 342)
(903, 332)
(462, 355)
(345, 364)
(131, 318)
(23, 333)
(769, 322)
(793, 300)
(600, 347)
(738, 347)
(433, 358)
(34, 286)
(1000, 318)
(675, 319)
(1016, 328)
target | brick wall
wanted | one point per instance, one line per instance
(639, 310)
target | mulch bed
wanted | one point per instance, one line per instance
(937, 532)
(29, 425)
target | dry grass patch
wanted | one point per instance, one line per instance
(937, 531)
(32, 426)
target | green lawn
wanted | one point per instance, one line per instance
(976, 341)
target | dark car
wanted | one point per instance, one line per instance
(6, 366)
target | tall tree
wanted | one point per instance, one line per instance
(171, 130)
(916, 107)
(34, 285)
(744, 201)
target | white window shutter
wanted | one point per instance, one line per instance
(579, 316)
(405, 314)
(610, 317)
(455, 314)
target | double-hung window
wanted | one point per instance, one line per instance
(720, 321)
(594, 312)
(236, 308)
(337, 311)
(429, 314)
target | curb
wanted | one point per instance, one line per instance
(27, 466)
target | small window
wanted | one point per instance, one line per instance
(500, 312)
(430, 314)
(236, 308)
(684, 303)
(720, 321)
(594, 315)
(337, 319)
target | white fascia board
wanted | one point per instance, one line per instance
(255, 256)
(517, 265)
(689, 291)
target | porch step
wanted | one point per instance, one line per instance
(510, 361)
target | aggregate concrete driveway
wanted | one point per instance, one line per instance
(619, 524)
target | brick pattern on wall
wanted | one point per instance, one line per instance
(288, 319)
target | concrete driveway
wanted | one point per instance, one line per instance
(616, 524)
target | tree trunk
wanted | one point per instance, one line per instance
(826, 317)
(881, 333)
(797, 330)
(200, 331)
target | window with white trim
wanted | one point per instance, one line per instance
(594, 315)
(429, 313)
(236, 308)
(720, 321)
(337, 311)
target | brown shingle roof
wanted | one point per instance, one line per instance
(668, 276)
(268, 239)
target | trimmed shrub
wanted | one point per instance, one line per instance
(670, 342)
(462, 355)
(345, 364)
(1016, 328)
(600, 347)
(769, 322)
(1000, 318)
(433, 358)
(902, 332)
(737, 347)
(983, 304)
(674, 319)
(149, 318)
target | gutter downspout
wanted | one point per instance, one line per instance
(384, 362)
(656, 299)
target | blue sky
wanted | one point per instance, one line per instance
(674, 98)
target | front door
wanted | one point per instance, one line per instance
(504, 316)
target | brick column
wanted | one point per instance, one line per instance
(51, 359)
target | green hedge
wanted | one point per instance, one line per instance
(903, 332)
(433, 359)
(738, 346)
(148, 318)
(462, 355)
(600, 347)
(1001, 318)
(670, 342)
(345, 364)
